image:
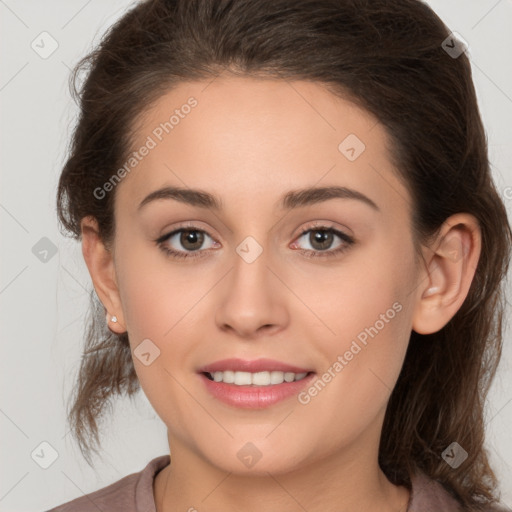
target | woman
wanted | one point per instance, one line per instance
(288, 216)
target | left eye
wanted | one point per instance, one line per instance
(321, 238)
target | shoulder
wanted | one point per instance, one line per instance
(427, 494)
(133, 493)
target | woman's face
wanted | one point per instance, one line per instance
(334, 305)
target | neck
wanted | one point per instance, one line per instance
(341, 482)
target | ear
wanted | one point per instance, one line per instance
(451, 262)
(100, 262)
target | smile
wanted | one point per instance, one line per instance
(265, 378)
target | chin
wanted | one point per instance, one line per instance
(258, 458)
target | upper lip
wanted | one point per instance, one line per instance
(257, 365)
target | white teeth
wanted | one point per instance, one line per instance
(276, 377)
(289, 376)
(256, 379)
(228, 377)
(243, 378)
(260, 378)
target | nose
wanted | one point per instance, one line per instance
(252, 299)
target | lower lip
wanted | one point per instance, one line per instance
(254, 397)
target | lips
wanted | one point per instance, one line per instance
(253, 384)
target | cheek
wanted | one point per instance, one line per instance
(355, 384)
(158, 310)
(155, 294)
(371, 343)
(160, 304)
(368, 310)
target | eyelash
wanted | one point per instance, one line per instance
(349, 241)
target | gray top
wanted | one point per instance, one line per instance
(134, 493)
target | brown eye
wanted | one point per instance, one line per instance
(321, 239)
(185, 243)
(192, 239)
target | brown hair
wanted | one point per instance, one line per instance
(386, 56)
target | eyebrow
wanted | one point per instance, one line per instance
(291, 200)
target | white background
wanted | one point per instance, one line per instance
(43, 305)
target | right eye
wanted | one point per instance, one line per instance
(190, 237)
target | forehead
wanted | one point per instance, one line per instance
(234, 111)
(256, 136)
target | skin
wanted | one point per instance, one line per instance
(250, 141)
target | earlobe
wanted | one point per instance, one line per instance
(431, 291)
(450, 267)
(100, 262)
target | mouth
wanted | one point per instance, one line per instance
(254, 384)
(264, 378)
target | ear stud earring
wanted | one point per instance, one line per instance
(114, 320)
